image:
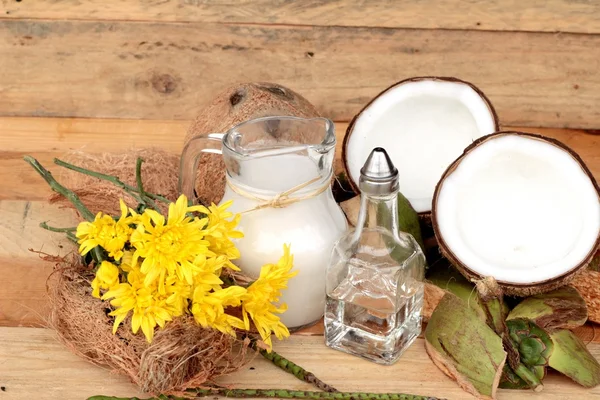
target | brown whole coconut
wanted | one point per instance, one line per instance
(236, 104)
(520, 207)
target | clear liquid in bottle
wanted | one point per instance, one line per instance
(374, 313)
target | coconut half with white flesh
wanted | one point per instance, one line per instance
(424, 124)
(520, 207)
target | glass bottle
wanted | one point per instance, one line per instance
(375, 276)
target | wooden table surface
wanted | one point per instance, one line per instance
(34, 365)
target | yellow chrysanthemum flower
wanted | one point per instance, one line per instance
(258, 302)
(221, 230)
(207, 272)
(148, 307)
(107, 277)
(208, 308)
(169, 247)
(105, 232)
(178, 293)
(127, 262)
(226, 323)
(173, 266)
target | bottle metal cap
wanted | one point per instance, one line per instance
(378, 176)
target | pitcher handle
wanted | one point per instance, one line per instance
(190, 157)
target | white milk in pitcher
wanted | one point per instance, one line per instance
(310, 226)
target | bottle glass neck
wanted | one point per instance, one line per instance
(379, 211)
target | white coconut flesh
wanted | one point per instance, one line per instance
(520, 209)
(423, 125)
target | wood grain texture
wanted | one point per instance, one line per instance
(36, 366)
(168, 70)
(506, 15)
(46, 138)
(23, 296)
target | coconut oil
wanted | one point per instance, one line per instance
(374, 280)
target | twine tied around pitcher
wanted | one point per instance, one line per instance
(280, 200)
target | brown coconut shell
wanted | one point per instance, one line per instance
(425, 216)
(508, 287)
(236, 104)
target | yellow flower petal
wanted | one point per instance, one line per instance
(136, 322)
(119, 318)
(123, 207)
(148, 329)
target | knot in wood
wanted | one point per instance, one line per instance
(164, 83)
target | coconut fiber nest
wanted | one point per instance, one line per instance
(183, 354)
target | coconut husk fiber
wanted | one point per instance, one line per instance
(182, 355)
(160, 172)
(236, 104)
(588, 285)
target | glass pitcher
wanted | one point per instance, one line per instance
(279, 172)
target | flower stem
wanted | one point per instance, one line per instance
(58, 188)
(294, 369)
(113, 179)
(138, 175)
(54, 229)
(71, 236)
(69, 231)
(140, 186)
(129, 189)
(97, 255)
(280, 394)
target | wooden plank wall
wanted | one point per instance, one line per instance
(537, 60)
(108, 75)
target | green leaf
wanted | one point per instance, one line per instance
(461, 344)
(573, 359)
(562, 308)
